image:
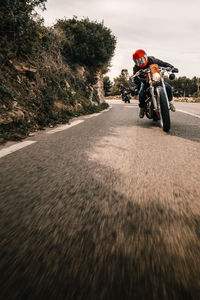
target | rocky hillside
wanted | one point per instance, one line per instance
(48, 75)
(34, 97)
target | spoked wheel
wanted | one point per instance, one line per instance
(164, 114)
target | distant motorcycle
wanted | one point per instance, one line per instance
(157, 102)
(125, 94)
(126, 98)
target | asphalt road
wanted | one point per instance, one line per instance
(106, 209)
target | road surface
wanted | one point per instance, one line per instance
(107, 208)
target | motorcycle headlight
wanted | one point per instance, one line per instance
(156, 77)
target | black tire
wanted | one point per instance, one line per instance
(127, 99)
(165, 116)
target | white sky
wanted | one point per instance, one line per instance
(166, 29)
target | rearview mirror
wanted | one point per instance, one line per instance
(171, 76)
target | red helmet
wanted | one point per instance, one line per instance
(140, 58)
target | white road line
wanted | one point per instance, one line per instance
(92, 115)
(129, 106)
(118, 103)
(188, 113)
(97, 114)
(15, 147)
(64, 127)
(67, 126)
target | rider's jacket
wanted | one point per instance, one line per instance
(151, 60)
(122, 90)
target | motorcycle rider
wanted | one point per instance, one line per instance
(122, 90)
(142, 61)
(125, 93)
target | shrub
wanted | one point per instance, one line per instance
(18, 27)
(107, 85)
(86, 42)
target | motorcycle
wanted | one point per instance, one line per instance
(126, 98)
(157, 102)
(125, 94)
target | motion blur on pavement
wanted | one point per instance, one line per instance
(108, 209)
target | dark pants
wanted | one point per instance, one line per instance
(142, 93)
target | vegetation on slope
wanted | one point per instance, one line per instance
(48, 75)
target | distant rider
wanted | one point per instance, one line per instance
(142, 61)
(122, 90)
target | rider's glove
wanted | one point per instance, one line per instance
(174, 70)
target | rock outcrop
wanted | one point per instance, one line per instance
(33, 97)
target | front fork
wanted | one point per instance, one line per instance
(156, 102)
(165, 91)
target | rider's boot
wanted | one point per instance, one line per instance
(141, 113)
(172, 107)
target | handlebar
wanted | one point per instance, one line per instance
(164, 69)
(169, 69)
(175, 70)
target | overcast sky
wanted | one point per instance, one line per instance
(166, 29)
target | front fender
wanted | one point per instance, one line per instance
(162, 89)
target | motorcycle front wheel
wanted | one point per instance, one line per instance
(164, 114)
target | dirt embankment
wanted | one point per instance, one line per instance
(34, 95)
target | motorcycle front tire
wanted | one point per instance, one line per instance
(165, 116)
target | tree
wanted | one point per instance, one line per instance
(124, 72)
(18, 26)
(107, 85)
(184, 87)
(122, 79)
(196, 86)
(87, 42)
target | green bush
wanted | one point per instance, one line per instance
(107, 85)
(19, 32)
(86, 42)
